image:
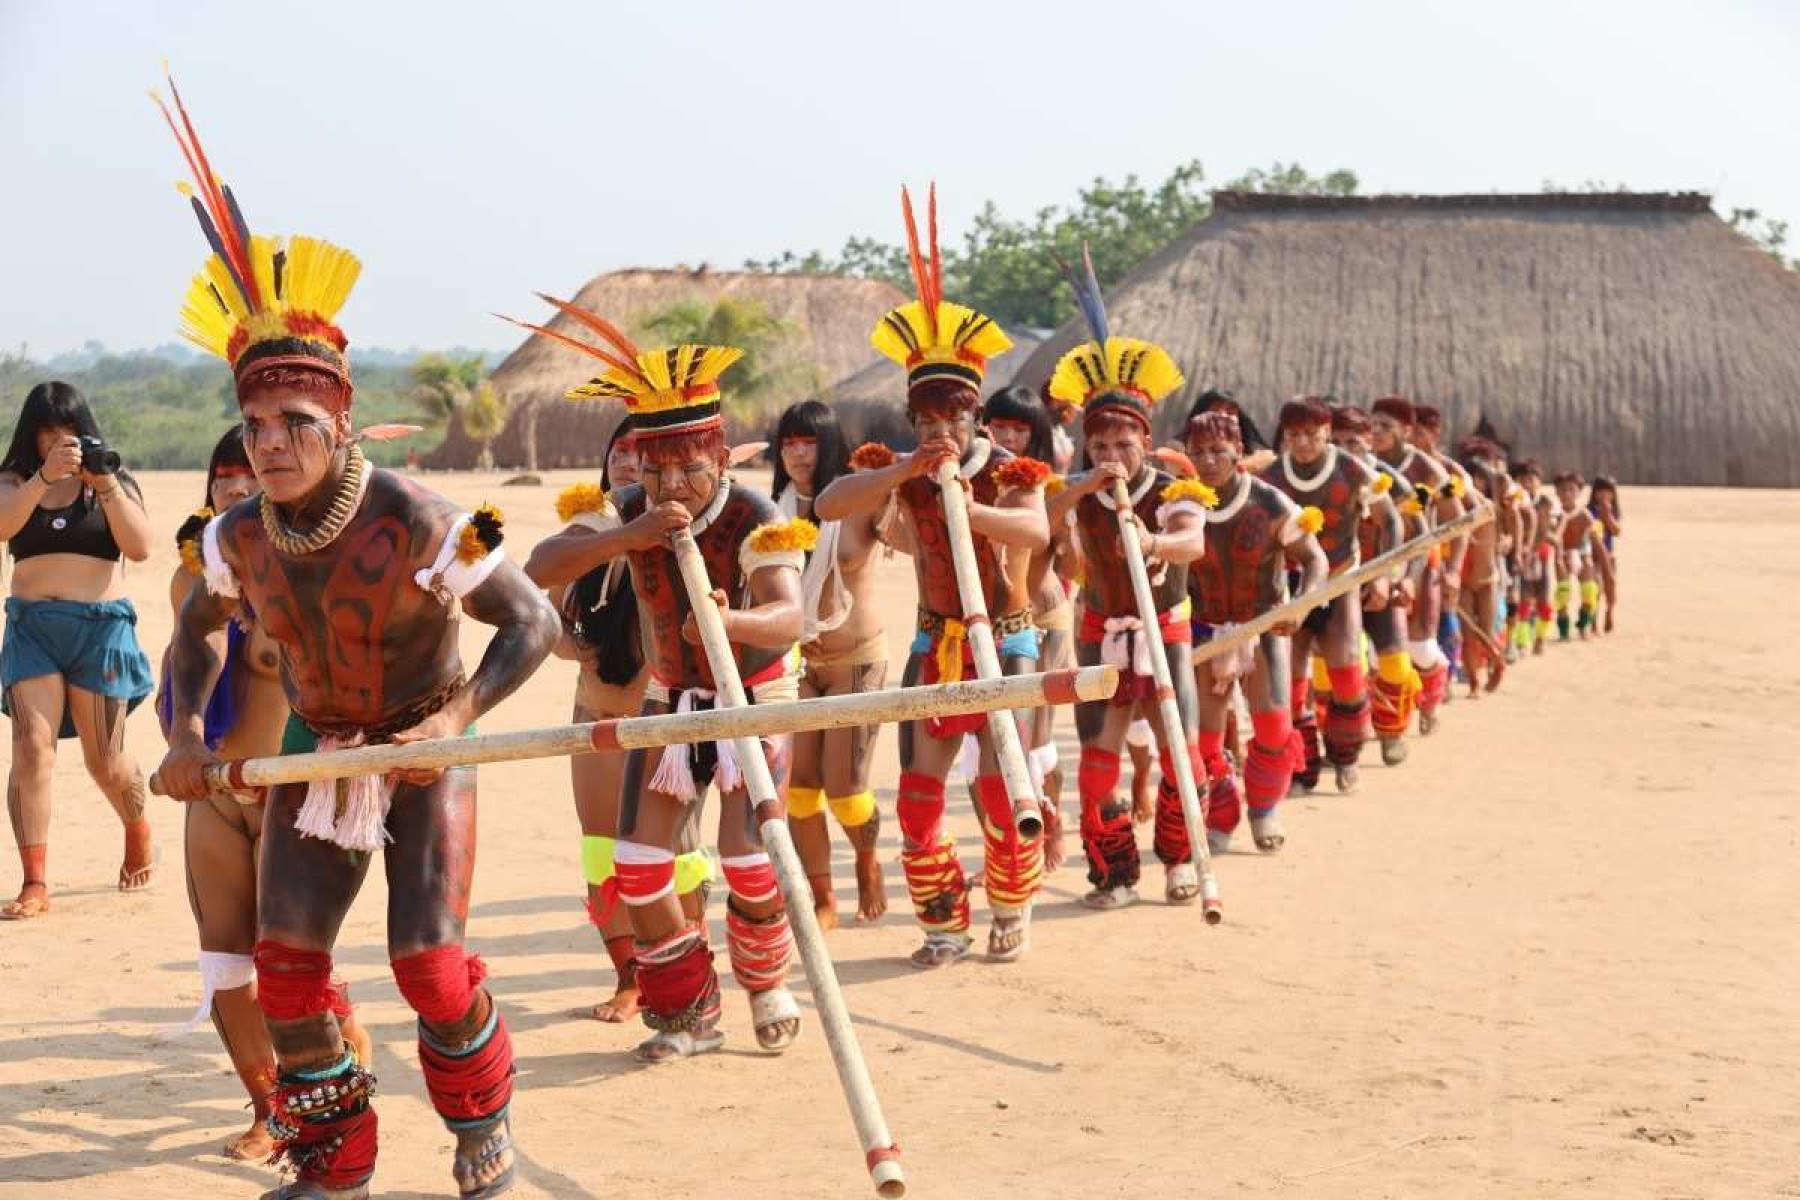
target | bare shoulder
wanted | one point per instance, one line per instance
(427, 514)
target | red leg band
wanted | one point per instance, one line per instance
(919, 806)
(472, 1082)
(676, 982)
(1269, 762)
(1014, 867)
(1106, 831)
(761, 950)
(292, 983)
(753, 881)
(439, 983)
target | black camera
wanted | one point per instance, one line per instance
(97, 458)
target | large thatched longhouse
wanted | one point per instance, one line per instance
(1635, 334)
(831, 316)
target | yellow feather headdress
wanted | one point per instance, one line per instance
(1109, 372)
(667, 391)
(258, 301)
(931, 337)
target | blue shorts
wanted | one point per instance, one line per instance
(92, 646)
(1022, 644)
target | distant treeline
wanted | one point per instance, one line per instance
(163, 409)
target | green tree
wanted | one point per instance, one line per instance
(450, 388)
(761, 379)
(1767, 233)
(1005, 267)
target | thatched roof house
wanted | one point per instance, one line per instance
(1635, 334)
(832, 315)
(871, 404)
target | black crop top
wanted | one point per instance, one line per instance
(80, 528)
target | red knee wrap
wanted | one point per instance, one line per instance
(292, 983)
(1270, 760)
(761, 949)
(644, 873)
(1349, 684)
(440, 983)
(1347, 727)
(751, 878)
(1097, 778)
(919, 805)
(677, 983)
(1306, 733)
(472, 1082)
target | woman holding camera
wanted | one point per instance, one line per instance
(70, 664)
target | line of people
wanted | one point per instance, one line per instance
(345, 585)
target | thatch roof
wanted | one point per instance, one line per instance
(871, 403)
(831, 313)
(1635, 334)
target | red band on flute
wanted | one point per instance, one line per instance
(882, 1154)
(605, 735)
(975, 619)
(234, 774)
(1059, 687)
(1165, 693)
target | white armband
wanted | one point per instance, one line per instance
(449, 577)
(752, 560)
(220, 579)
(602, 521)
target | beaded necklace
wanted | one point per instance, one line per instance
(337, 517)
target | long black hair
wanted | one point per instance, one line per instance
(47, 405)
(811, 419)
(228, 451)
(1022, 404)
(1223, 401)
(1606, 483)
(622, 429)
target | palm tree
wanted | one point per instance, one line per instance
(446, 389)
(760, 380)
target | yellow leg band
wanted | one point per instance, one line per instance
(1321, 675)
(693, 871)
(805, 801)
(597, 859)
(1394, 667)
(1563, 591)
(853, 811)
(1590, 593)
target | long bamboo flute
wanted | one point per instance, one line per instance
(880, 1154)
(1331, 589)
(1168, 711)
(1002, 730)
(706, 725)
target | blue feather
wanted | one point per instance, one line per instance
(1087, 295)
(218, 247)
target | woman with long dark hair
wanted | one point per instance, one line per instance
(222, 837)
(845, 650)
(70, 665)
(600, 633)
(1603, 504)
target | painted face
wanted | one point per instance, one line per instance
(960, 426)
(622, 467)
(1352, 443)
(52, 436)
(1306, 443)
(800, 458)
(230, 485)
(1010, 435)
(1215, 461)
(1125, 445)
(690, 482)
(1386, 433)
(291, 438)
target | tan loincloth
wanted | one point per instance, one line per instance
(872, 649)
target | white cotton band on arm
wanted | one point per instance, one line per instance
(450, 576)
(605, 520)
(1190, 507)
(220, 579)
(752, 561)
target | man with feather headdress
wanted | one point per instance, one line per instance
(1115, 382)
(359, 577)
(944, 348)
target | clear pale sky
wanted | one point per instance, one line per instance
(472, 154)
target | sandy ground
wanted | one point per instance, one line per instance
(1554, 955)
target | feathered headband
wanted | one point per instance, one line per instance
(669, 391)
(259, 302)
(1127, 374)
(931, 337)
